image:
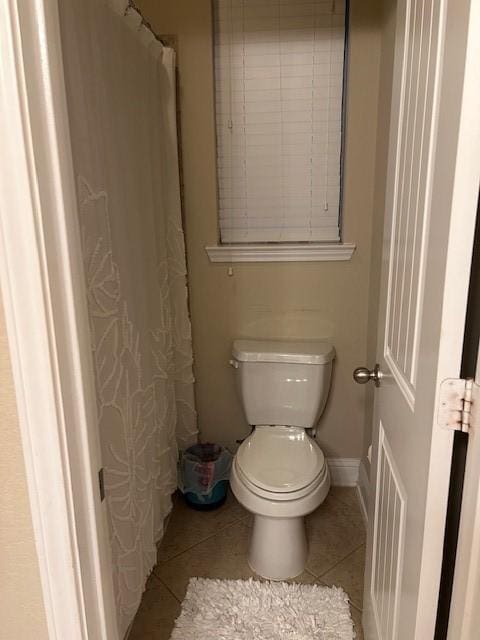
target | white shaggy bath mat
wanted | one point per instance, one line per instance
(252, 610)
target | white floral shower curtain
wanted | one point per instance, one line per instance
(121, 100)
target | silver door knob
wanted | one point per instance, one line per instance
(362, 375)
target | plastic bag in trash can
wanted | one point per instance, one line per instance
(202, 467)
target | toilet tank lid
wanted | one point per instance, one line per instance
(296, 352)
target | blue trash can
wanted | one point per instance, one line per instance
(204, 471)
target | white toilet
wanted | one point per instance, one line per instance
(279, 472)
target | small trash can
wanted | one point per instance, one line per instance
(204, 471)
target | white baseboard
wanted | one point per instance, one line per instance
(363, 489)
(344, 472)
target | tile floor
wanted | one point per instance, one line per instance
(214, 544)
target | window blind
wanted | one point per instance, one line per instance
(279, 84)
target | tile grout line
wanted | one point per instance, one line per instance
(345, 503)
(359, 608)
(350, 601)
(337, 563)
(217, 531)
(346, 557)
(168, 589)
(310, 573)
(357, 503)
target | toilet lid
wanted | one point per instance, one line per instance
(280, 459)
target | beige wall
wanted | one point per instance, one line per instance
(22, 614)
(302, 300)
(384, 101)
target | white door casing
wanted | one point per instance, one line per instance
(432, 189)
(44, 298)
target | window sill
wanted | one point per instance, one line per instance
(318, 252)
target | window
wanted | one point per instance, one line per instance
(279, 68)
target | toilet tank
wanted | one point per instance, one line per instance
(283, 383)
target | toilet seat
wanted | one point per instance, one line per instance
(294, 504)
(280, 460)
(283, 495)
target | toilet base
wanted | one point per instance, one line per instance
(278, 547)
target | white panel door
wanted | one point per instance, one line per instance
(432, 191)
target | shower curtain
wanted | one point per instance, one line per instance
(121, 99)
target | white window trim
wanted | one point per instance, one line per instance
(275, 252)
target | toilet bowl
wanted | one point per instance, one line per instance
(279, 473)
(278, 547)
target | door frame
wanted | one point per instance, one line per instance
(44, 298)
(464, 609)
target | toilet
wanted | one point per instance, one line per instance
(279, 472)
